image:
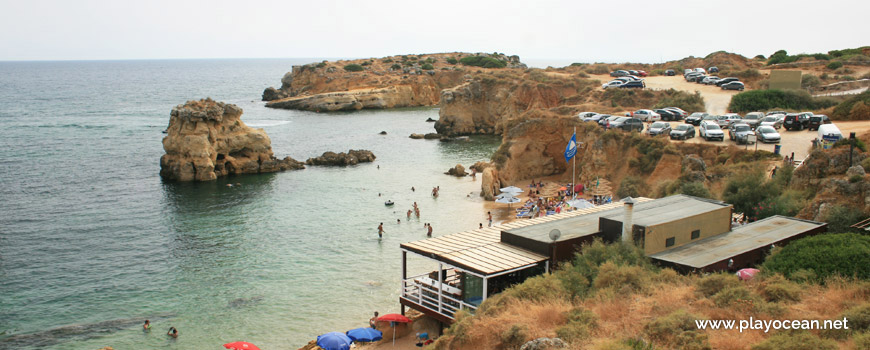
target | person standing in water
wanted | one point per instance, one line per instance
(409, 213)
(374, 320)
(381, 230)
(429, 234)
(147, 326)
(172, 332)
(489, 217)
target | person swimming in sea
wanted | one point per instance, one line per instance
(172, 332)
(147, 326)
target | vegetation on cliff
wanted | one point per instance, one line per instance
(611, 297)
(764, 100)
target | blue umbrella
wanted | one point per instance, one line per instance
(334, 341)
(365, 334)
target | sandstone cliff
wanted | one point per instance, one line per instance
(207, 139)
(396, 81)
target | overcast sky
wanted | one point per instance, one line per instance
(561, 31)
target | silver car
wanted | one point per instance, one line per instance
(775, 122)
(660, 128)
(767, 134)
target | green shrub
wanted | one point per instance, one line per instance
(859, 317)
(678, 330)
(711, 284)
(538, 288)
(845, 143)
(747, 190)
(862, 341)
(452, 60)
(866, 164)
(581, 323)
(834, 65)
(840, 218)
(353, 67)
(759, 57)
(843, 254)
(845, 109)
(427, 66)
(578, 276)
(735, 295)
(795, 341)
(855, 178)
(321, 65)
(810, 81)
(366, 63)
(515, 336)
(615, 276)
(395, 66)
(776, 288)
(502, 154)
(760, 100)
(696, 189)
(387, 60)
(632, 186)
(482, 61)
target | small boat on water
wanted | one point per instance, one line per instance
(389, 203)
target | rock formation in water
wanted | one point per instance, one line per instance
(352, 157)
(458, 171)
(389, 82)
(207, 139)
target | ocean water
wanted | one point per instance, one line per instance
(93, 242)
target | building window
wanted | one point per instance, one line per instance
(696, 234)
(669, 242)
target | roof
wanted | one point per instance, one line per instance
(579, 223)
(482, 251)
(669, 209)
(745, 238)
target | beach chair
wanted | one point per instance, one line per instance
(524, 213)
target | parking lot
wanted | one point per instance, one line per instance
(798, 142)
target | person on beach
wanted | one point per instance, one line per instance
(398, 221)
(172, 332)
(374, 320)
(481, 226)
(415, 205)
(412, 189)
(417, 212)
(489, 217)
(381, 230)
(147, 326)
(429, 234)
(409, 213)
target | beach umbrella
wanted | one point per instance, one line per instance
(505, 195)
(334, 341)
(580, 204)
(563, 188)
(512, 189)
(241, 345)
(508, 200)
(746, 274)
(364, 334)
(393, 318)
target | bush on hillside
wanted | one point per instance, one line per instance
(427, 66)
(843, 254)
(689, 102)
(696, 189)
(632, 186)
(452, 60)
(321, 65)
(846, 109)
(834, 65)
(677, 330)
(840, 218)
(797, 340)
(810, 81)
(747, 190)
(353, 67)
(578, 276)
(776, 288)
(859, 145)
(618, 277)
(396, 66)
(515, 336)
(581, 323)
(711, 284)
(482, 61)
(761, 100)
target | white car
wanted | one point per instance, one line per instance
(584, 115)
(711, 131)
(647, 115)
(612, 84)
(726, 120)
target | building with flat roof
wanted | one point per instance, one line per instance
(743, 247)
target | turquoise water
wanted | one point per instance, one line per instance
(92, 241)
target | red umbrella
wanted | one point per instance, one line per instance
(394, 318)
(241, 345)
(746, 274)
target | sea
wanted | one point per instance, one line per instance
(93, 242)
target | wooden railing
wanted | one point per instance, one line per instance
(432, 298)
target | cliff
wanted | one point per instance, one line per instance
(389, 82)
(206, 139)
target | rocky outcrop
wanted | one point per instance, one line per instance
(352, 157)
(432, 136)
(389, 97)
(545, 344)
(207, 139)
(458, 171)
(489, 183)
(417, 136)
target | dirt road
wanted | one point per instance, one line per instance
(715, 99)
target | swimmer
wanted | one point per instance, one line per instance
(147, 326)
(172, 332)
(398, 221)
(409, 213)
(381, 230)
(481, 225)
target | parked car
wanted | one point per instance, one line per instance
(627, 124)
(584, 115)
(695, 118)
(739, 132)
(647, 115)
(724, 81)
(772, 121)
(605, 121)
(713, 69)
(612, 84)
(667, 114)
(670, 73)
(701, 70)
(682, 132)
(767, 134)
(776, 112)
(687, 71)
(642, 73)
(618, 73)
(817, 120)
(595, 118)
(753, 118)
(683, 114)
(796, 121)
(660, 128)
(709, 80)
(692, 76)
(634, 84)
(726, 120)
(632, 72)
(734, 85)
(711, 131)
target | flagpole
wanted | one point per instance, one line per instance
(574, 170)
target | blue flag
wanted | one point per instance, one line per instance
(571, 150)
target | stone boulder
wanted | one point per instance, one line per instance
(432, 136)
(271, 94)
(382, 133)
(694, 163)
(489, 183)
(458, 171)
(207, 139)
(856, 170)
(417, 136)
(545, 344)
(479, 166)
(352, 157)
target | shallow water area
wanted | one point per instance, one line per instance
(93, 242)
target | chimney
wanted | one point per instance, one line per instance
(626, 221)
